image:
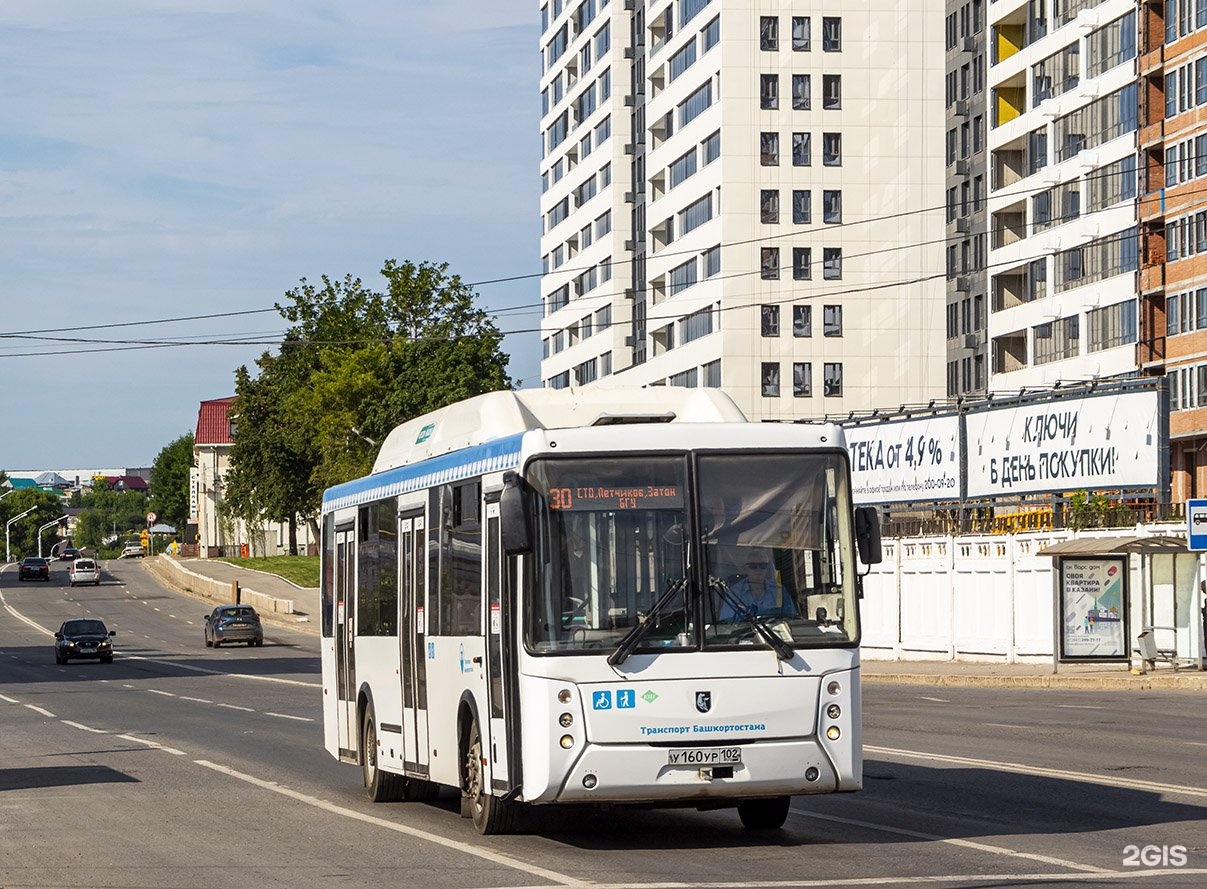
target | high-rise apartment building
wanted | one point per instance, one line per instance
(746, 194)
(1063, 108)
(967, 188)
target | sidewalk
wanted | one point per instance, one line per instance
(948, 674)
(304, 616)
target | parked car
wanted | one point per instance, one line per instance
(85, 571)
(33, 568)
(233, 623)
(83, 637)
(132, 551)
(68, 554)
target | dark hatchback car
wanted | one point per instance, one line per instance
(69, 554)
(233, 623)
(33, 568)
(83, 637)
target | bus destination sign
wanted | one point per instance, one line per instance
(615, 497)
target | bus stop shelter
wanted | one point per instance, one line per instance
(1131, 600)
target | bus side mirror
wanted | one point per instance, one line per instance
(515, 518)
(867, 535)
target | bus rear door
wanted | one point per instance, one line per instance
(345, 636)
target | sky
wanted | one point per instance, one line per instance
(161, 159)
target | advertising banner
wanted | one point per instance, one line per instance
(1098, 441)
(1092, 608)
(194, 486)
(905, 461)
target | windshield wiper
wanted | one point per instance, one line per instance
(644, 622)
(747, 612)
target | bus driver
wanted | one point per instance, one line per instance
(758, 590)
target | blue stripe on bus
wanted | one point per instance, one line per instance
(494, 456)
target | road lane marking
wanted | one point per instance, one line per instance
(21, 617)
(237, 707)
(457, 845)
(952, 841)
(1021, 769)
(994, 879)
(166, 694)
(1081, 707)
(196, 700)
(936, 700)
(153, 744)
(96, 731)
(1003, 725)
(10, 700)
(189, 667)
(38, 709)
(287, 716)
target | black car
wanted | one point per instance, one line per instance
(33, 568)
(83, 637)
(69, 554)
(233, 623)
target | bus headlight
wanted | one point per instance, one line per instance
(563, 696)
(567, 742)
(833, 711)
(566, 720)
(833, 733)
(835, 687)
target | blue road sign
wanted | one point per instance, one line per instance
(1196, 525)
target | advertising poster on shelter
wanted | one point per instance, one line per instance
(1092, 617)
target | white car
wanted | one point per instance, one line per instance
(132, 551)
(85, 571)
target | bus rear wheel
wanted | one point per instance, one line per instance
(490, 814)
(764, 814)
(382, 787)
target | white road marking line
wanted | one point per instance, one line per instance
(457, 845)
(287, 716)
(156, 609)
(172, 615)
(237, 707)
(1019, 768)
(193, 669)
(152, 744)
(95, 731)
(196, 700)
(38, 709)
(958, 879)
(936, 700)
(127, 686)
(166, 694)
(189, 622)
(1081, 707)
(10, 700)
(21, 617)
(1003, 725)
(1197, 743)
(951, 841)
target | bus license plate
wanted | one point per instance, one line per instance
(704, 756)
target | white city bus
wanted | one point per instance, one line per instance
(546, 596)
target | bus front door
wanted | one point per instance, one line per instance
(411, 632)
(345, 652)
(502, 752)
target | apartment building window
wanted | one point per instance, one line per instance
(710, 34)
(831, 91)
(802, 151)
(605, 269)
(603, 130)
(560, 381)
(605, 364)
(769, 149)
(769, 91)
(1112, 184)
(831, 34)
(558, 130)
(1056, 340)
(712, 261)
(682, 276)
(802, 379)
(1037, 150)
(1102, 258)
(685, 379)
(697, 324)
(801, 88)
(769, 377)
(557, 213)
(1057, 74)
(831, 149)
(802, 261)
(769, 263)
(603, 224)
(769, 33)
(831, 206)
(689, 9)
(682, 167)
(1113, 44)
(769, 321)
(831, 258)
(831, 321)
(557, 46)
(802, 321)
(603, 318)
(1183, 17)
(605, 85)
(831, 379)
(695, 104)
(800, 33)
(712, 148)
(1186, 236)
(710, 374)
(683, 59)
(1100, 121)
(696, 214)
(769, 206)
(801, 206)
(1173, 315)
(586, 372)
(559, 341)
(1055, 206)
(603, 41)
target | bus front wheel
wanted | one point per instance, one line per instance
(382, 787)
(764, 814)
(490, 814)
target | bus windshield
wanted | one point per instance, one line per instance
(761, 546)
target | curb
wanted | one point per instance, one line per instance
(1140, 683)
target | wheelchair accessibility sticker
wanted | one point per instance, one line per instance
(626, 699)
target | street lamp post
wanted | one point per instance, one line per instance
(43, 528)
(7, 550)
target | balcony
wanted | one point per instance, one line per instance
(1152, 278)
(1009, 227)
(1010, 352)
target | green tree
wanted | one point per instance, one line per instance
(170, 481)
(23, 534)
(106, 513)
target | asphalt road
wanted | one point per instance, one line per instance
(182, 766)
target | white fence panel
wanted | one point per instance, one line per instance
(982, 595)
(926, 606)
(879, 612)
